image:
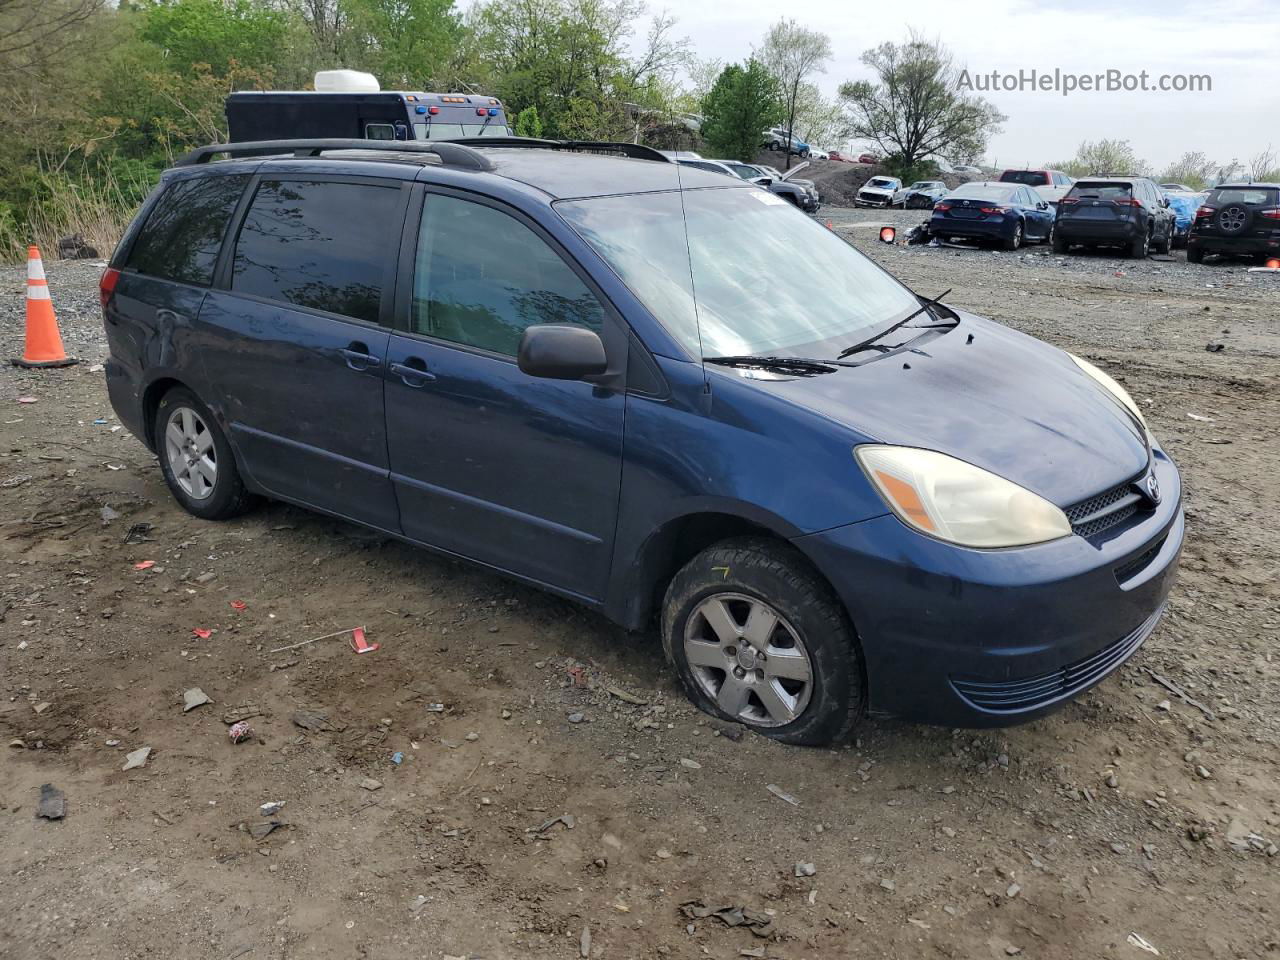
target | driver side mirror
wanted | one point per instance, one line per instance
(1164, 201)
(556, 351)
(1042, 205)
(765, 182)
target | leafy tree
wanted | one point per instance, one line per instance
(528, 123)
(407, 43)
(34, 33)
(1097, 159)
(743, 101)
(793, 54)
(216, 32)
(1192, 168)
(916, 107)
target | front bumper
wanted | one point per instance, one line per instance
(983, 638)
(872, 201)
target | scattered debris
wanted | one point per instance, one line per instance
(239, 605)
(316, 722)
(781, 794)
(805, 869)
(731, 915)
(887, 884)
(1196, 416)
(576, 718)
(690, 764)
(138, 533)
(568, 819)
(144, 565)
(195, 697)
(1178, 692)
(1142, 943)
(358, 642)
(202, 633)
(15, 481)
(371, 784)
(327, 636)
(584, 943)
(136, 758)
(418, 903)
(271, 807)
(240, 732)
(397, 758)
(52, 804)
(42, 707)
(626, 697)
(260, 831)
(108, 515)
(242, 711)
(1214, 347)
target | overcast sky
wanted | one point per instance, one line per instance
(1237, 43)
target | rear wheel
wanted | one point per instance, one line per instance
(758, 638)
(196, 458)
(1141, 246)
(1166, 242)
(1014, 242)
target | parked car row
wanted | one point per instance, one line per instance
(801, 193)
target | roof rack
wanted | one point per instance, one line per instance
(453, 154)
(634, 151)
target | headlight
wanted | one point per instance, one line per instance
(1113, 388)
(958, 502)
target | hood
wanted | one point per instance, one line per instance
(873, 188)
(796, 169)
(1005, 402)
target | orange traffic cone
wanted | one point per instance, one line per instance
(44, 343)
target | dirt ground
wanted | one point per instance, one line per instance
(1133, 821)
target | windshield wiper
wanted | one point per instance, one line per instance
(870, 342)
(798, 364)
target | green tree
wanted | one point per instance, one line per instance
(528, 124)
(917, 107)
(408, 44)
(793, 54)
(1193, 169)
(219, 33)
(743, 101)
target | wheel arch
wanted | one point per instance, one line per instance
(151, 396)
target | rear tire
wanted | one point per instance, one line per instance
(196, 458)
(1141, 246)
(717, 618)
(1014, 242)
(1166, 244)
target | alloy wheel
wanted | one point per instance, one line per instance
(748, 659)
(188, 444)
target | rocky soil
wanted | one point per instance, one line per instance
(510, 777)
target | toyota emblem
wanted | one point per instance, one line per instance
(1153, 488)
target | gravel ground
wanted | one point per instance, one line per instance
(1132, 816)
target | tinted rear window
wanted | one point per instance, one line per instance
(1249, 196)
(982, 193)
(184, 231)
(318, 244)
(1101, 191)
(1032, 178)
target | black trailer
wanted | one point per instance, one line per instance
(385, 115)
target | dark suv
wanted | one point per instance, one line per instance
(1126, 212)
(663, 393)
(1237, 218)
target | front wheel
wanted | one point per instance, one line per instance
(196, 458)
(758, 638)
(1059, 242)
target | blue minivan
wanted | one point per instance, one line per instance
(663, 393)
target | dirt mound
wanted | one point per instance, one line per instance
(839, 182)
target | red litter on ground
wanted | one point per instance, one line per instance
(239, 732)
(239, 605)
(144, 565)
(202, 633)
(359, 644)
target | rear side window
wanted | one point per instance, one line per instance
(183, 232)
(1250, 197)
(319, 244)
(483, 276)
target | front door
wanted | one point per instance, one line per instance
(513, 471)
(296, 347)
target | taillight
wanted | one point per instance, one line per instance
(993, 209)
(107, 285)
(1068, 200)
(1205, 212)
(1128, 202)
(944, 207)
(1272, 213)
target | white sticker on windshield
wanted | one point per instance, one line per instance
(764, 196)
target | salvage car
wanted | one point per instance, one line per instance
(1237, 219)
(661, 393)
(779, 138)
(920, 195)
(1051, 185)
(801, 193)
(877, 192)
(1126, 212)
(989, 210)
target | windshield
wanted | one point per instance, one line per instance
(882, 183)
(455, 131)
(981, 193)
(743, 170)
(768, 279)
(1032, 178)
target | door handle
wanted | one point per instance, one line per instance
(358, 356)
(413, 372)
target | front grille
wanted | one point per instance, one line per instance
(1014, 696)
(1105, 510)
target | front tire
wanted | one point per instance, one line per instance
(1195, 254)
(1059, 242)
(196, 458)
(758, 638)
